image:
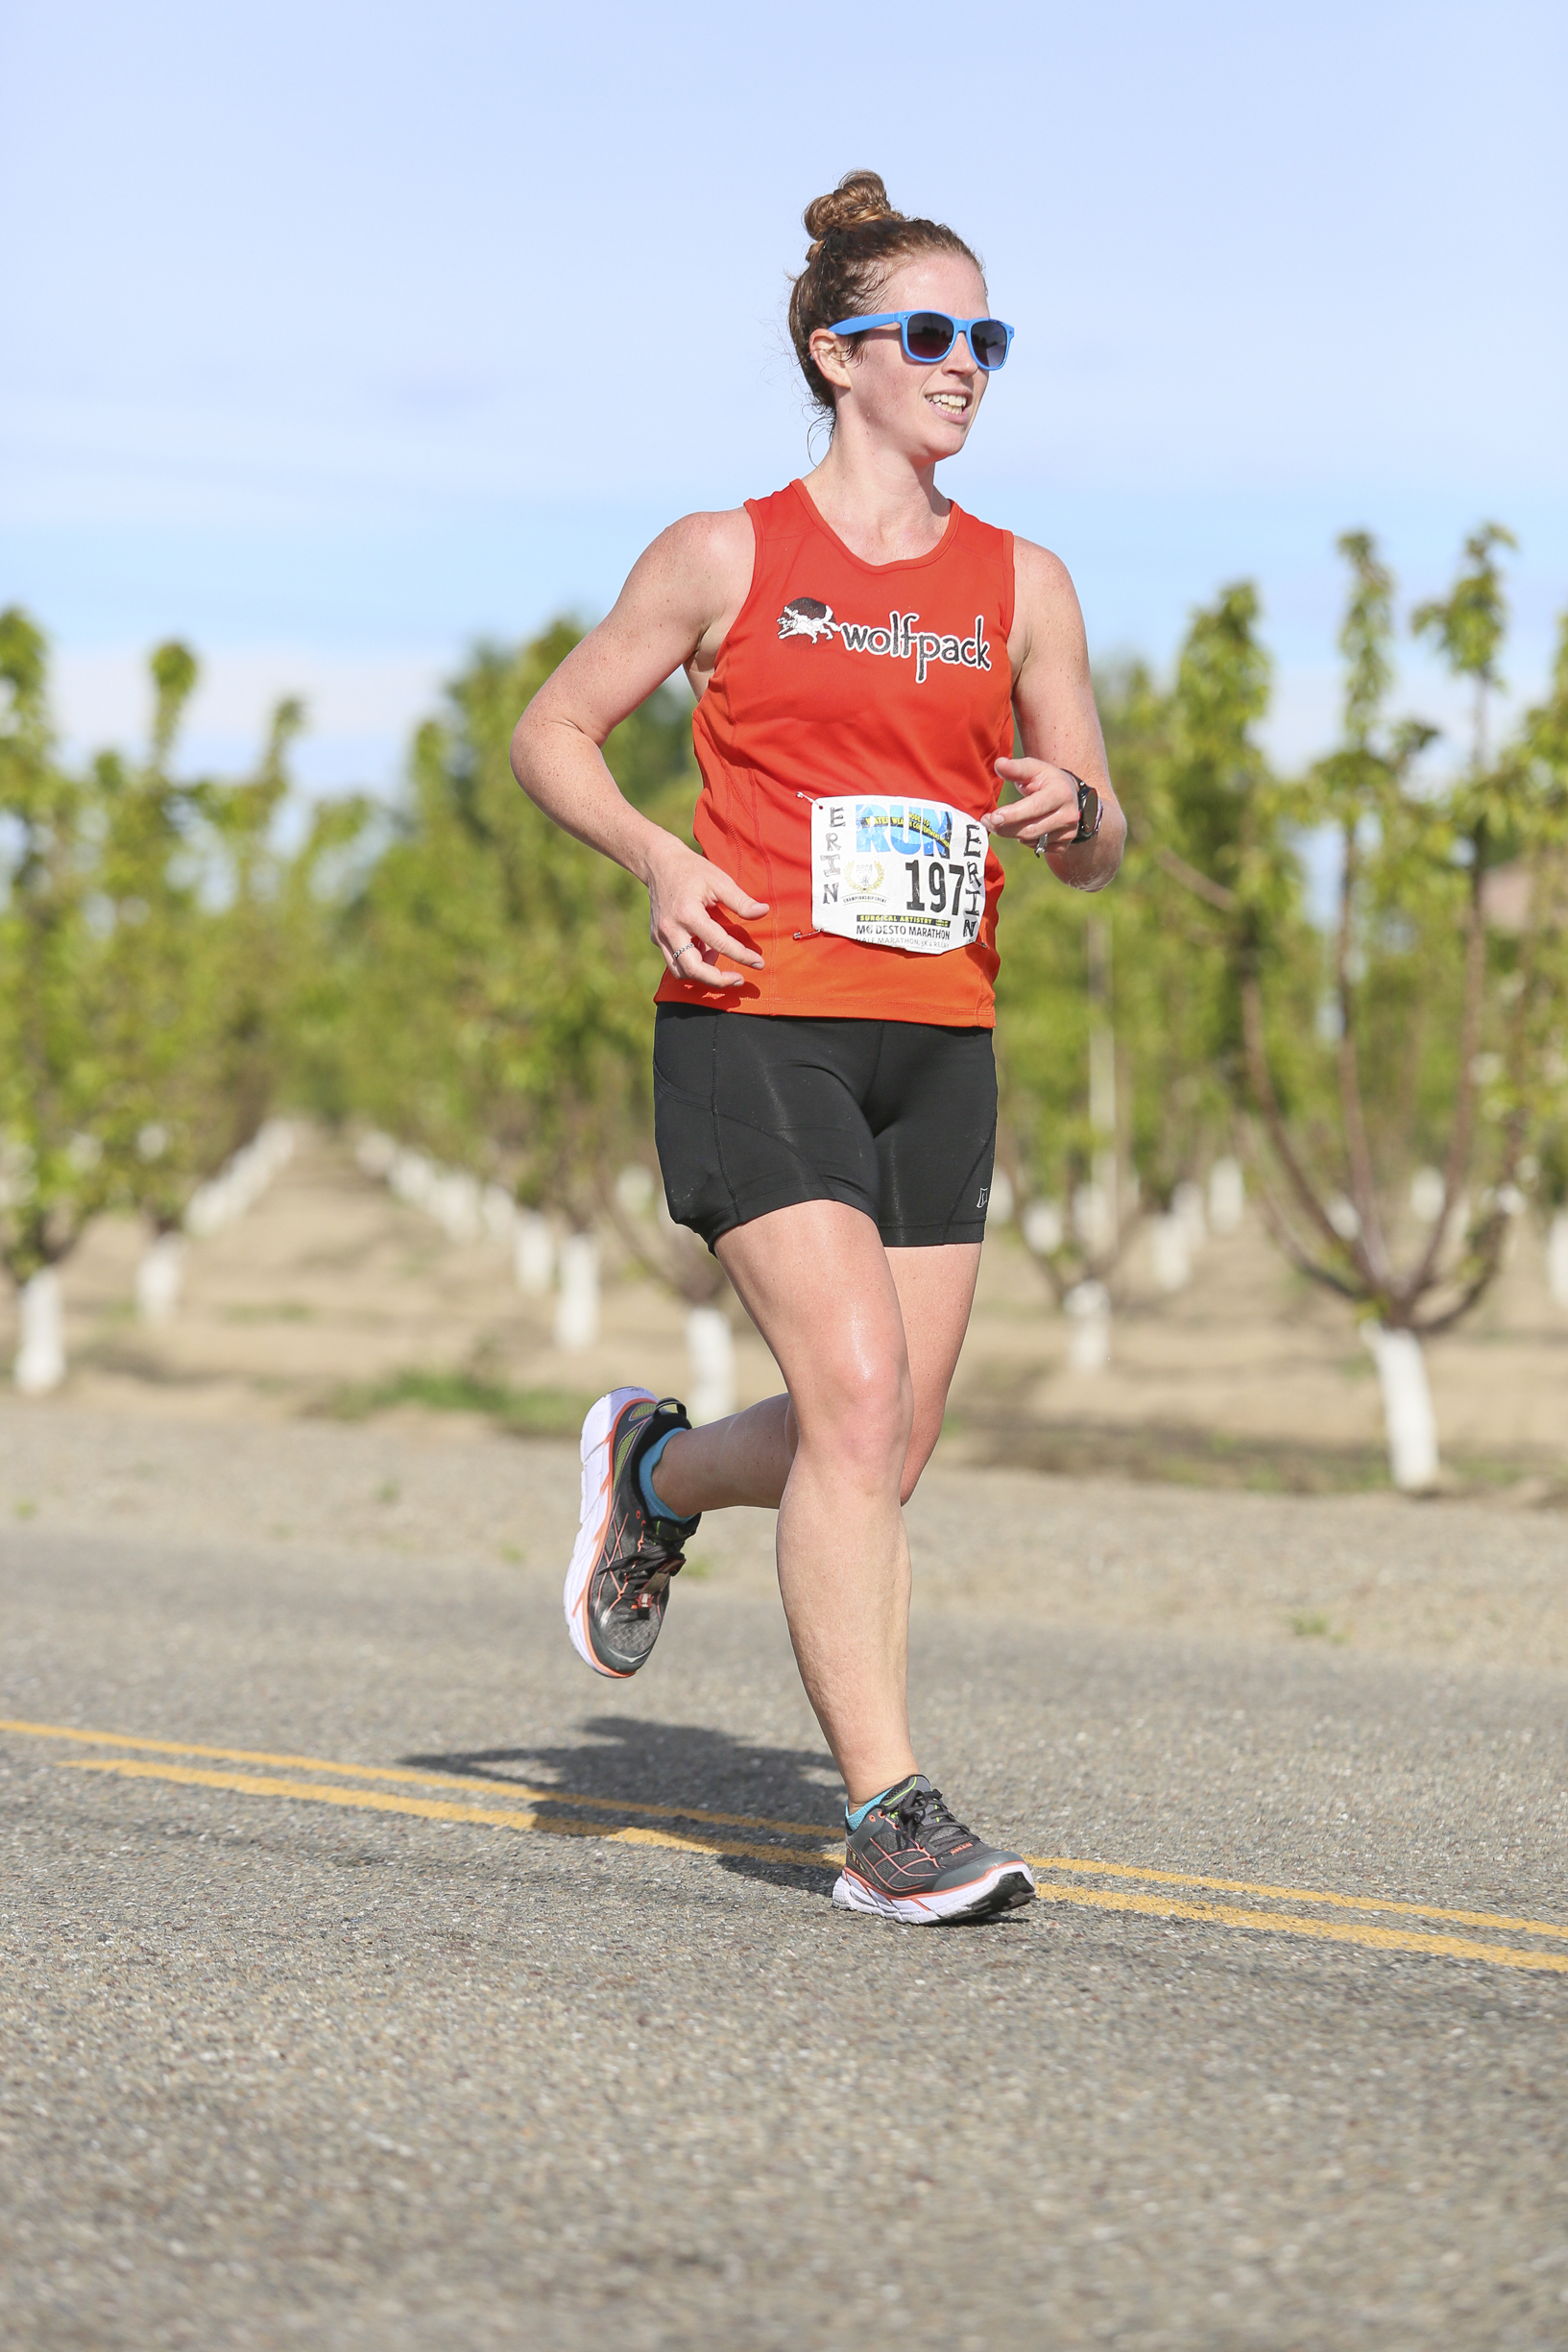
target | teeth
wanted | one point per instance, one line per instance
(947, 399)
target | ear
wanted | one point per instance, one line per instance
(831, 358)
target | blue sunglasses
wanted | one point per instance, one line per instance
(928, 335)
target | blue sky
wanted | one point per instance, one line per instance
(338, 335)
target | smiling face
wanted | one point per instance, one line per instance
(924, 411)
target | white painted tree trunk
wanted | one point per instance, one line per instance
(1408, 1416)
(376, 1153)
(1556, 1258)
(411, 1177)
(1000, 1201)
(500, 1212)
(577, 1308)
(1042, 1228)
(1186, 1204)
(1171, 1253)
(40, 1359)
(454, 1202)
(1227, 1196)
(709, 1344)
(1088, 1310)
(533, 1254)
(1094, 1218)
(160, 1275)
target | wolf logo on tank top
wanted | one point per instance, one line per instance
(884, 688)
(902, 640)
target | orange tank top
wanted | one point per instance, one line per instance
(843, 676)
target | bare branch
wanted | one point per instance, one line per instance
(1262, 1086)
(1215, 893)
(1300, 1257)
(1459, 1148)
(1363, 1191)
(679, 1268)
(1488, 1257)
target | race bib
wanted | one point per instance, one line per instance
(891, 872)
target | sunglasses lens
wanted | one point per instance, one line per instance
(928, 335)
(988, 340)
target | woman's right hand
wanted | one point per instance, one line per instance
(682, 889)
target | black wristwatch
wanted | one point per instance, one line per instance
(1091, 808)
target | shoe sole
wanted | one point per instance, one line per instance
(596, 1452)
(1005, 1888)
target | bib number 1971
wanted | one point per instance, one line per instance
(892, 872)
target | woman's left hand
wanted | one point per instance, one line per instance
(1047, 811)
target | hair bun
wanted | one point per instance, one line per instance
(858, 199)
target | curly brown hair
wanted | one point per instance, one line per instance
(857, 241)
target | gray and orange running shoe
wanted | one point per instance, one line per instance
(624, 1558)
(911, 1860)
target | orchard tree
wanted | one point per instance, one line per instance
(202, 968)
(55, 1173)
(1411, 1036)
(499, 1011)
(1115, 1015)
(501, 994)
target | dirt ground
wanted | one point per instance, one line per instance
(341, 1375)
(332, 1296)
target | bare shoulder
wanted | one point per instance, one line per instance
(699, 559)
(1047, 619)
(1041, 579)
(682, 589)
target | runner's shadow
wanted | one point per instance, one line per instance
(737, 1799)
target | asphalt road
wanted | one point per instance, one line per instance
(301, 2055)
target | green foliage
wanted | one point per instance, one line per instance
(462, 973)
(1190, 777)
(498, 1008)
(53, 1176)
(1426, 1029)
(154, 954)
(526, 1413)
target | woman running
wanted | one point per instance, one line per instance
(825, 1089)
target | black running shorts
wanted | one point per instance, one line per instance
(758, 1111)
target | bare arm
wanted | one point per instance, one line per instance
(673, 612)
(1054, 699)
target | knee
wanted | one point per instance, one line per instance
(923, 1436)
(862, 1412)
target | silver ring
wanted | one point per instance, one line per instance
(680, 952)
(1040, 848)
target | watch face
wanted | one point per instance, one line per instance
(1088, 812)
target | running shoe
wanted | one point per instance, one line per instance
(624, 1558)
(909, 1859)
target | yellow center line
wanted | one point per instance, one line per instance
(1297, 1894)
(419, 1778)
(1327, 1931)
(1056, 1864)
(1151, 1907)
(436, 1808)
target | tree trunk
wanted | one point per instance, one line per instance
(40, 1359)
(410, 1180)
(454, 1204)
(1408, 1416)
(500, 1212)
(1186, 1204)
(160, 1275)
(1227, 1196)
(1000, 1201)
(1088, 1309)
(577, 1308)
(1171, 1253)
(1556, 1258)
(709, 1344)
(1042, 1228)
(533, 1254)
